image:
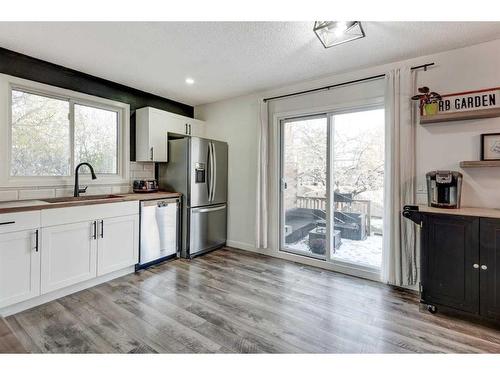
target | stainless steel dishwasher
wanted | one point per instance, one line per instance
(159, 231)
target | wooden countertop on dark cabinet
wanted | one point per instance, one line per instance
(460, 261)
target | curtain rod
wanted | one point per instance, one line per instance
(424, 66)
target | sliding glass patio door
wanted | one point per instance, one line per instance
(332, 187)
(305, 186)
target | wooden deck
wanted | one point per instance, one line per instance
(231, 301)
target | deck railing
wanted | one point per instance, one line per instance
(360, 206)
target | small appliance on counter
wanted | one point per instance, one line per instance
(444, 189)
(145, 186)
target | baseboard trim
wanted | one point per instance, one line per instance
(40, 300)
(241, 245)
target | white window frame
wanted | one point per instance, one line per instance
(9, 83)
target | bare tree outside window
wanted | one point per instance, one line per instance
(42, 131)
(96, 135)
(356, 175)
(40, 135)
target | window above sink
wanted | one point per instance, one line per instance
(50, 130)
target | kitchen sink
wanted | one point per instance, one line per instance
(81, 198)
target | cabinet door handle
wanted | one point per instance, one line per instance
(102, 228)
(36, 240)
(94, 235)
(484, 267)
(152, 153)
(475, 265)
(186, 128)
(189, 129)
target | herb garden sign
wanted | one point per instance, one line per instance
(465, 106)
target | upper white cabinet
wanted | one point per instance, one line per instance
(152, 129)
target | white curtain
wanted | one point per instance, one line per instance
(262, 178)
(399, 259)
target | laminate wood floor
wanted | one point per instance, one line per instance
(232, 301)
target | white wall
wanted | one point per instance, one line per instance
(235, 121)
(439, 146)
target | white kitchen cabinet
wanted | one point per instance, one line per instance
(118, 243)
(196, 128)
(19, 267)
(152, 129)
(47, 253)
(69, 255)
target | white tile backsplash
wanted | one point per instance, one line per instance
(149, 167)
(138, 170)
(98, 190)
(121, 189)
(65, 192)
(36, 193)
(10, 195)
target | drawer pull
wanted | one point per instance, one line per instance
(7, 222)
(484, 267)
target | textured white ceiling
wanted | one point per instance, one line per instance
(227, 59)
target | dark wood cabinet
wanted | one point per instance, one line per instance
(450, 249)
(489, 238)
(459, 262)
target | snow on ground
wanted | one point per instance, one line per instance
(367, 252)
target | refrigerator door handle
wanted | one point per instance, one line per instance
(214, 184)
(209, 172)
(212, 177)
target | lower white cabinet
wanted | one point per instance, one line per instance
(19, 267)
(69, 255)
(117, 245)
(76, 252)
(49, 250)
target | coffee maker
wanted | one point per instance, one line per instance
(444, 189)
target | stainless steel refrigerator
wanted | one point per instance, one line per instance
(197, 168)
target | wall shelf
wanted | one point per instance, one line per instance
(479, 163)
(458, 116)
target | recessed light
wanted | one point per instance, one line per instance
(189, 81)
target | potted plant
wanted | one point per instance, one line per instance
(428, 101)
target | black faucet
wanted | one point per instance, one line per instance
(77, 190)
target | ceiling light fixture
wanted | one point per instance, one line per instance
(189, 81)
(333, 33)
